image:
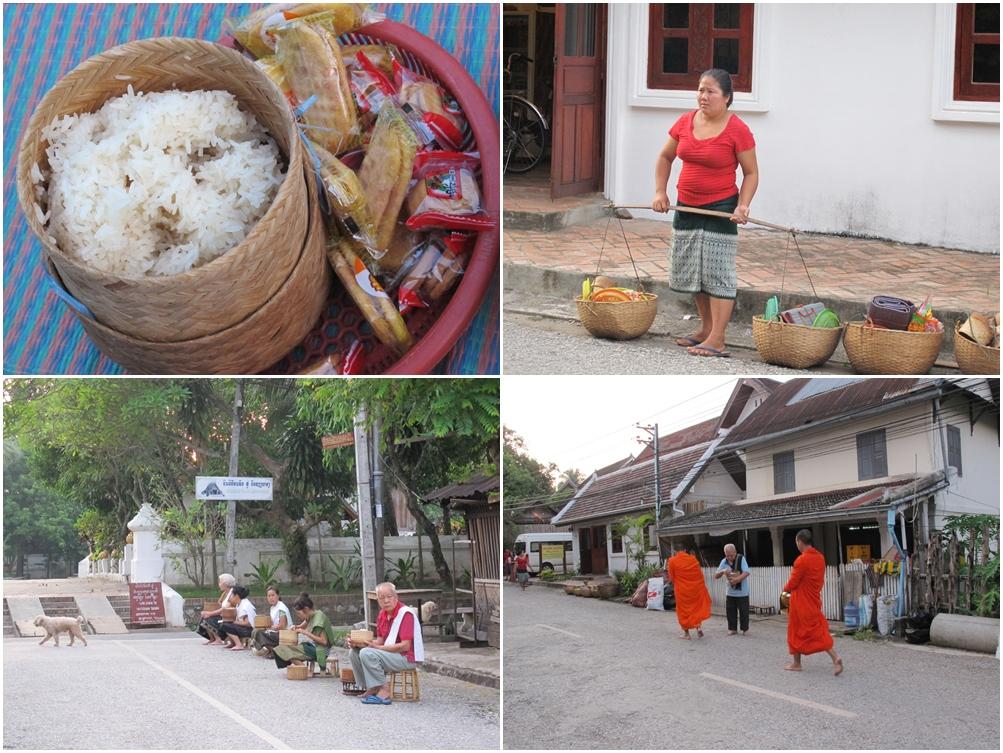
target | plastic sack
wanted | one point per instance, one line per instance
(446, 194)
(656, 594)
(640, 597)
(886, 614)
(865, 611)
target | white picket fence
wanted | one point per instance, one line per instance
(766, 583)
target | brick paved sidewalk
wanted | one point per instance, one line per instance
(849, 269)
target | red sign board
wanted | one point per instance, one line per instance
(146, 604)
(331, 441)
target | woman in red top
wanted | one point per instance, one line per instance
(522, 569)
(712, 143)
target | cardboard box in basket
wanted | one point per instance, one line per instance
(288, 638)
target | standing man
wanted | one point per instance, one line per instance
(807, 628)
(736, 569)
(692, 597)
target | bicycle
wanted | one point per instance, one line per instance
(524, 128)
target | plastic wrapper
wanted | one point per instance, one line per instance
(311, 59)
(256, 32)
(386, 173)
(370, 88)
(345, 197)
(432, 270)
(337, 364)
(270, 65)
(381, 56)
(403, 244)
(438, 110)
(446, 194)
(369, 296)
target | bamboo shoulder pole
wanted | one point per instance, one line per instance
(712, 213)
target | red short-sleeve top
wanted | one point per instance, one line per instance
(709, 165)
(384, 622)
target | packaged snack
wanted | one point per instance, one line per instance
(336, 364)
(256, 33)
(344, 194)
(370, 87)
(367, 294)
(434, 272)
(439, 111)
(382, 57)
(402, 246)
(311, 59)
(270, 65)
(446, 194)
(386, 173)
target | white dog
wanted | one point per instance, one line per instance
(53, 626)
(428, 610)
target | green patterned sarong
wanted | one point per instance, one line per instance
(319, 623)
(703, 251)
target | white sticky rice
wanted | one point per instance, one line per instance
(154, 184)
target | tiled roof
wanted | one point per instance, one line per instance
(780, 412)
(631, 489)
(802, 505)
(475, 485)
(678, 440)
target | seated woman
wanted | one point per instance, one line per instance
(243, 623)
(315, 636)
(265, 639)
(396, 647)
(208, 626)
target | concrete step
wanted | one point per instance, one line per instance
(548, 216)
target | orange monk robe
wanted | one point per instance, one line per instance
(692, 597)
(807, 628)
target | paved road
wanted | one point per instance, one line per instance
(542, 345)
(168, 691)
(582, 673)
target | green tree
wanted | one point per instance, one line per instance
(36, 519)
(526, 482)
(435, 432)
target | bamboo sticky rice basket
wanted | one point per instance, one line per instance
(288, 638)
(262, 621)
(297, 672)
(221, 293)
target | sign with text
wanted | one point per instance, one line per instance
(552, 553)
(233, 487)
(146, 604)
(331, 441)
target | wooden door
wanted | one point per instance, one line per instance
(585, 550)
(600, 559)
(579, 99)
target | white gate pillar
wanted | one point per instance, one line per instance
(147, 564)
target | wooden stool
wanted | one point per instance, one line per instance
(404, 685)
(332, 661)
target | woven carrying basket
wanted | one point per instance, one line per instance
(889, 351)
(974, 358)
(233, 286)
(297, 672)
(618, 321)
(262, 621)
(794, 345)
(245, 348)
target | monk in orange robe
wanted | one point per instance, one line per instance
(692, 597)
(807, 628)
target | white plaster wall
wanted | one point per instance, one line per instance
(828, 457)
(977, 490)
(842, 111)
(255, 551)
(715, 486)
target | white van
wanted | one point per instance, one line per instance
(548, 551)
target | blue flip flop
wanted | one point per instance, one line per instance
(375, 700)
(689, 341)
(706, 351)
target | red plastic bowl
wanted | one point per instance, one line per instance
(456, 316)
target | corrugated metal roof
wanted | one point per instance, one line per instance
(473, 485)
(630, 489)
(802, 505)
(778, 413)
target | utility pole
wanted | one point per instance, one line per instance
(378, 496)
(653, 431)
(369, 580)
(230, 557)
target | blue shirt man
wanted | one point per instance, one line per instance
(735, 567)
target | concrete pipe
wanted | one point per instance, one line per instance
(965, 632)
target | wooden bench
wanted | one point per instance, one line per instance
(331, 670)
(762, 609)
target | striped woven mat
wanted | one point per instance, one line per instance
(42, 42)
